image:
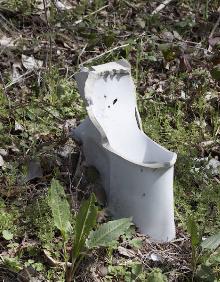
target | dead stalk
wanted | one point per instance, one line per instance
(161, 6)
(216, 25)
(49, 31)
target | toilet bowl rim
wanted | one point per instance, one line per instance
(105, 143)
(153, 165)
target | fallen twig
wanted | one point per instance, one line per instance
(81, 53)
(18, 80)
(103, 54)
(2, 79)
(214, 29)
(54, 262)
(207, 143)
(216, 25)
(10, 28)
(161, 7)
(130, 5)
(93, 13)
(98, 56)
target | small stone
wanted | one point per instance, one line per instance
(103, 271)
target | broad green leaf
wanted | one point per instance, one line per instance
(60, 207)
(136, 243)
(156, 276)
(205, 273)
(85, 221)
(193, 231)
(212, 242)
(7, 235)
(108, 233)
(136, 269)
(168, 51)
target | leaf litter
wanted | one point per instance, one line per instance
(183, 72)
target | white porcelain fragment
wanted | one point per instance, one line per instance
(136, 172)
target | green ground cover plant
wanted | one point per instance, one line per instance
(45, 189)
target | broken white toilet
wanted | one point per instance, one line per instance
(136, 172)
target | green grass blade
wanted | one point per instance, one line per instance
(192, 229)
(85, 221)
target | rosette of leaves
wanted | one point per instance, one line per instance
(85, 238)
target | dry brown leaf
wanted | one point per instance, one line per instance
(31, 63)
(62, 6)
(1, 161)
(16, 72)
(213, 41)
(6, 41)
(126, 252)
